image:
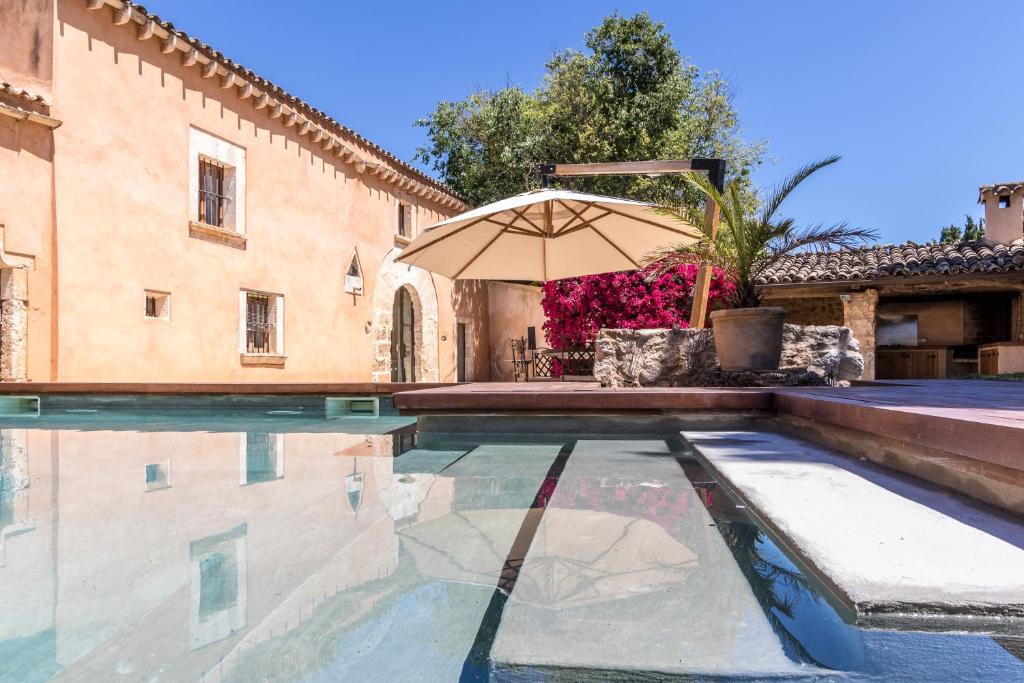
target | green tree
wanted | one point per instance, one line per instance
(629, 96)
(970, 231)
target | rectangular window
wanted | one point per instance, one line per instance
(260, 328)
(403, 227)
(158, 304)
(212, 198)
(1004, 201)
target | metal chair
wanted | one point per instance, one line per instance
(520, 363)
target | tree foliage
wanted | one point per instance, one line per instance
(629, 96)
(970, 231)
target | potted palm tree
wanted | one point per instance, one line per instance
(748, 336)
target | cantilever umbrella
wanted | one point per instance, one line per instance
(546, 235)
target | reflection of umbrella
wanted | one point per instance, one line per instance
(582, 557)
(546, 235)
(468, 546)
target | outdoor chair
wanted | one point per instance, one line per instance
(520, 363)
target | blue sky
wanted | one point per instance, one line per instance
(920, 98)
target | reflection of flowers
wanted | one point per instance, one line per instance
(663, 504)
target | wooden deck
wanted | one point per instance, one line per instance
(974, 419)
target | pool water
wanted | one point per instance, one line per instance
(218, 545)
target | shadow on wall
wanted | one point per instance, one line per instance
(512, 310)
(469, 301)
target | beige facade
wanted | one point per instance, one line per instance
(129, 275)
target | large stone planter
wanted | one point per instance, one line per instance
(749, 338)
(811, 355)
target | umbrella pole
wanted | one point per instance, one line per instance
(702, 285)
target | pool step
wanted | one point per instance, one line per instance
(886, 543)
(627, 573)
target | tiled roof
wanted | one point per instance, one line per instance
(127, 13)
(999, 189)
(23, 95)
(891, 261)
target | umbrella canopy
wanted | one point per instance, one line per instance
(546, 235)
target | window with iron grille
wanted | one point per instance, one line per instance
(212, 198)
(260, 331)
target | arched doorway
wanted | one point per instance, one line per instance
(392, 278)
(403, 337)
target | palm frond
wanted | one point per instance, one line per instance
(780, 192)
(749, 242)
(820, 238)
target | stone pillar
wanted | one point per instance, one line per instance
(13, 324)
(859, 312)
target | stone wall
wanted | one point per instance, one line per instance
(811, 311)
(675, 357)
(860, 311)
(13, 323)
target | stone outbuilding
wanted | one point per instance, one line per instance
(920, 311)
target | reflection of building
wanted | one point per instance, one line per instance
(242, 234)
(218, 597)
(102, 574)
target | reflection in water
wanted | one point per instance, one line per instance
(354, 488)
(773, 584)
(358, 565)
(218, 603)
(264, 457)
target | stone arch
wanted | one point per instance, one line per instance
(391, 277)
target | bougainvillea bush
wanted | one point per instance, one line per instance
(576, 308)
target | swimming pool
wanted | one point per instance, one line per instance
(266, 542)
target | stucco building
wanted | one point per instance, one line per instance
(924, 311)
(168, 215)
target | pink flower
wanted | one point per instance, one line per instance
(576, 308)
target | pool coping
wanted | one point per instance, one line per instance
(220, 388)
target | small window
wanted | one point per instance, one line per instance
(260, 325)
(403, 228)
(213, 198)
(406, 220)
(158, 305)
(1004, 201)
(354, 277)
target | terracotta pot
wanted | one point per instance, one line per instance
(749, 338)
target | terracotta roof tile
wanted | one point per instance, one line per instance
(24, 95)
(905, 260)
(299, 104)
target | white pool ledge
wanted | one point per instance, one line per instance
(883, 541)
